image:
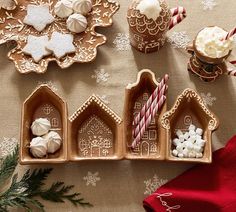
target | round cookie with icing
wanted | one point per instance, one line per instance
(63, 8)
(148, 23)
(77, 23)
(82, 6)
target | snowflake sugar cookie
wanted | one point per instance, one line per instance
(61, 44)
(38, 16)
(36, 47)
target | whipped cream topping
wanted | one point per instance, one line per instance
(76, 23)
(210, 42)
(150, 8)
(63, 8)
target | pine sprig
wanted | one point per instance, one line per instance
(8, 166)
(21, 192)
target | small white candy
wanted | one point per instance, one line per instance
(199, 155)
(185, 152)
(192, 154)
(176, 142)
(186, 135)
(192, 127)
(180, 155)
(180, 148)
(192, 139)
(192, 133)
(199, 131)
(198, 137)
(200, 142)
(197, 148)
(181, 139)
(189, 145)
(175, 152)
(179, 133)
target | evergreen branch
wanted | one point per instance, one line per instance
(58, 192)
(8, 166)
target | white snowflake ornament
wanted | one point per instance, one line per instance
(179, 40)
(208, 99)
(100, 75)
(208, 4)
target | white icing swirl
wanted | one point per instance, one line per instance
(63, 8)
(76, 23)
(38, 147)
(210, 42)
(82, 6)
(150, 8)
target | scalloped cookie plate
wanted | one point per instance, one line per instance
(12, 28)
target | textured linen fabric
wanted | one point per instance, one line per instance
(121, 186)
(208, 187)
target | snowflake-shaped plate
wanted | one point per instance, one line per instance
(86, 43)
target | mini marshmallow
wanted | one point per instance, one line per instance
(199, 155)
(200, 142)
(180, 148)
(186, 135)
(176, 142)
(189, 146)
(192, 132)
(198, 137)
(185, 152)
(199, 131)
(180, 155)
(175, 152)
(179, 133)
(197, 148)
(192, 139)
(192, 154)
(192, 127)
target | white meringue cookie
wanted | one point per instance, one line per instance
(38, 147)
(82, 6)
(53, 140)
(40, 126)
(63, 8)
(76, 23)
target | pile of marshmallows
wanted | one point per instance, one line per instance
(189, 144)
(75, 12)
(46, 141)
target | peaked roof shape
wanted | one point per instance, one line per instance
(96, 100)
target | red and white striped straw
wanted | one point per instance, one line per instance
(230, 34)
(139, 116)
(157, 107)
(178, 10)
(176, 19)
(148, 112)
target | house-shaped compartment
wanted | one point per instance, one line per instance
(152, 145)
(43, 103)
(95, 132)
(189, 108)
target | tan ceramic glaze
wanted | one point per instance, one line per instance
(206, 68)
(95, 133)
(12, 28)
(152, 146)
(189, 108)
(43, 103)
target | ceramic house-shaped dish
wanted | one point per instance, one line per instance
(189, 108)
(152, 146)
(95, 132)
(43, 103)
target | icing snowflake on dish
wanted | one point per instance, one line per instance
(92, 178)
(152, 184)
(104, 98)
(7, 145)
(179, 39)
(49, 84)
(122, 42)
(100, 75)
(208, 98)
(208, 4)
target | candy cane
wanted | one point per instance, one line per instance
(230, 34)
(157, 107)
(177, 10)
(148, 112)
(176, 19)
(155, 93)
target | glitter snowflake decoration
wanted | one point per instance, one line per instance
(208, 98)
(104, 98)
(122, 42)
(49, 83)
(208, 4)
(179, 40)
(92, 178)
(152, 184)
(7, 145)
(100, 76)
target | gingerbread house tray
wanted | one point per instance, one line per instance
(12, 28)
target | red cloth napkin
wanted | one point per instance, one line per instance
(203, 188)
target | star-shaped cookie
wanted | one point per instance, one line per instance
(36, 47)
(38, 16)
(61, 44)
